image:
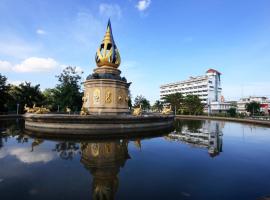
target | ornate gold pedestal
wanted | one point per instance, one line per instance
(106, 96)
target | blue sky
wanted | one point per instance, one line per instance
(159, 41)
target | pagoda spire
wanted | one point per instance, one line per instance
(107, 53)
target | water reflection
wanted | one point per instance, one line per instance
(201, 134)
(104, 160)
(91, 168)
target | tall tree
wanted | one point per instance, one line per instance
(4, 96)
(193, 105)
(49, 99)
(68, 92)
(253, 107)
(141, 101)
(232, 112)
(158, 105)
(175, 100)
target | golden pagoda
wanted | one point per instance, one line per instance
(105, 91)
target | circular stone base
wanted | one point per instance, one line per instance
(96, 125)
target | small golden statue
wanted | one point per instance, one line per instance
(167, 111)
(137, 111)
(84, 111)
(68, 110)
(36, 109)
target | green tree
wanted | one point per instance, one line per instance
(175, 100)
(158, 105)
(141, 101)
(68, 92)
(232, 112)
(25, 94)
(49, 99)
(4, 95)
(193, 105)
(253, 107)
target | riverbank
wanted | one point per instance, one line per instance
(249, 121)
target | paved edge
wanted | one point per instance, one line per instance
(248, 121)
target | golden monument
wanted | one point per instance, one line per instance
(106, 92)
(105, 109)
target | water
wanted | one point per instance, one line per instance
(200, 160)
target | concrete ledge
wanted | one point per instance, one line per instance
(249, 121)
(96, 125)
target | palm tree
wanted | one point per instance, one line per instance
(175, 100)
(253, 107)
(193, 105)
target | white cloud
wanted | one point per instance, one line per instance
(79, 70)
(40, 32)
(24, 155)
(110, 10)
(143, 4)
(3, 153)
(5, 65)
(35, 64)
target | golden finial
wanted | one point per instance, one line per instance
(107, 53)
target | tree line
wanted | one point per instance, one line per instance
(67, 93)
(189, 104)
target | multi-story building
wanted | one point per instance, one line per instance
(264, 102)
(207, 87)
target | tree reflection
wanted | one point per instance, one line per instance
(10, 128)
(67, 150)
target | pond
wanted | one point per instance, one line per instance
(199, 160)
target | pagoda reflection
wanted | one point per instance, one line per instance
(104, 160)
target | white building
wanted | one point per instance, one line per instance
(207, 87)
(220, 107)
(264, 101)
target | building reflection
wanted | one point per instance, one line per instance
(201, 134)
(104, 160)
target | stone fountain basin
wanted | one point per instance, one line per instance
(96, 125)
